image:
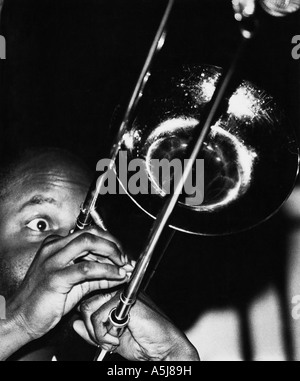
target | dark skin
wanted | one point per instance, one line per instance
(38, 274)
(43, 284)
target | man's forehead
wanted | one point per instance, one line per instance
(54, 167)
(46, 183)
(50, 180)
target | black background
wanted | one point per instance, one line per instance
(71, 63)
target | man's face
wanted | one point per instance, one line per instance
(44, 199)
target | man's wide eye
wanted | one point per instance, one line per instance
(39, 225)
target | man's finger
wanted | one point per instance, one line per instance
(88, 243)
(89, 306)
(80, 328)
(56, 242)
(100, 285)
(52, 238)
(109, 343)
(64, 280)
(53, 244)
(99, 321)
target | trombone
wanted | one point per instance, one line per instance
(222, 138)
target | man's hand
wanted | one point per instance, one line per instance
(55, 284)
(150, 336)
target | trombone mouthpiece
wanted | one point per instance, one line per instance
(280, 8)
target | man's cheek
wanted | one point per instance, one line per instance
(8, 278)
(14, 265)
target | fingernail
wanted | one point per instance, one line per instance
(133, 263)
(107, 347)
(122, 273)
(128, 268)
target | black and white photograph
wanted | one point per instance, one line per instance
(149, 190)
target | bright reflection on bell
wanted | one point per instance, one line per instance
(208, 89)
(243, 8)
(243, 104)
(248, 103)
(130, 139)
(203, 90)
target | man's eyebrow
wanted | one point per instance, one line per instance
(38, 200)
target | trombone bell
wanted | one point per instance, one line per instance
(251, 157)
